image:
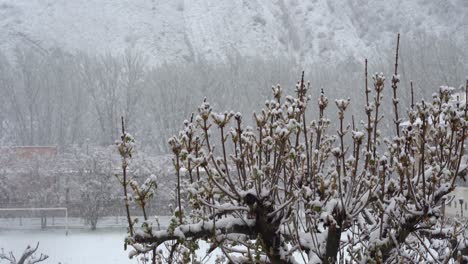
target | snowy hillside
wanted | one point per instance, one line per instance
(181, 30)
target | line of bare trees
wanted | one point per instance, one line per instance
(54, 97)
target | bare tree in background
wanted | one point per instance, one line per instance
(134, 67)
(71, 93)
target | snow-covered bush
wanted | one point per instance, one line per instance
(94, 194)
(290, 190)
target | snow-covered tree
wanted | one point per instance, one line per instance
(94, 196)
(290, 190)
(28, 257)
(95, 185)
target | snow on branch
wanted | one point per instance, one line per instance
(28, 256)
(288, 190)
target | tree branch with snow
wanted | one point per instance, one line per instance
(287, 190)
(28, 256)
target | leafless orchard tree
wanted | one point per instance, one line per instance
(28, 256)
(289, 190)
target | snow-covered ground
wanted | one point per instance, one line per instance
(81, 246)
(73, 223)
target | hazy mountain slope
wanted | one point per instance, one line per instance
(179, 30)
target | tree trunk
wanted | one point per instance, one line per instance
(267, 229)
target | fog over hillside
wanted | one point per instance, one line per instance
(313, 31)
(70, 69)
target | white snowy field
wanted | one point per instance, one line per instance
(81, 246)
(73, 222)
